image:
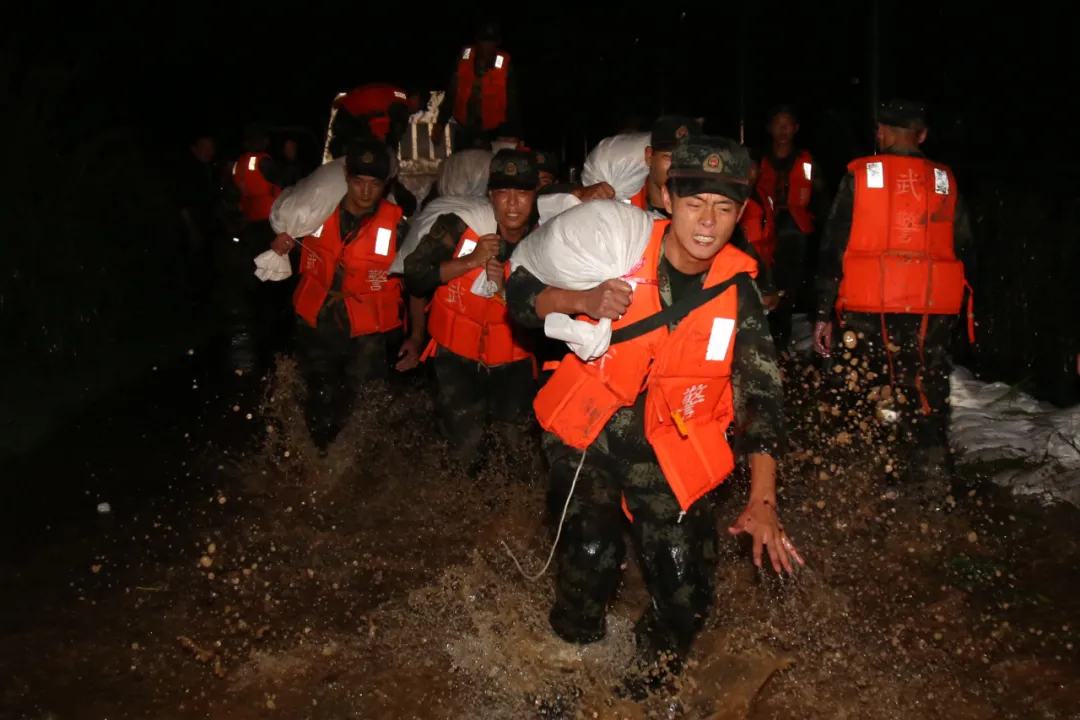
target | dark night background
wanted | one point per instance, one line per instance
(98, 108)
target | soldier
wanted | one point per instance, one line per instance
(661, 451)
(759, 227)
(484, 366)
(892, 268)
(788, 178)
(350, 327)
(482, 96)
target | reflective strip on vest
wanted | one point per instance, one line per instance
(467, 246)
(875, 175)
(253, 162)
(382, 241)
(317, 233)
(499, 61)
(720, 338)
(467, 54)
(235, 165)
(941, 181)
(399, 94)
(807, 168)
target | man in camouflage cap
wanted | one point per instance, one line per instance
(706, 189)
(483, 366)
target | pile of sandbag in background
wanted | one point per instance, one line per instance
(578, 250)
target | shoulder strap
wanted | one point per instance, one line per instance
(673, 313)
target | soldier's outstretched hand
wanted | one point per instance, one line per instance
(761, 521)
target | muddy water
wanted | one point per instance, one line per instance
(246, 578)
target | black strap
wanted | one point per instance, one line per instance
(673, 313)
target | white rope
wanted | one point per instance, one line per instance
(558, 534)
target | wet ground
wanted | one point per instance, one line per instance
(236, 575)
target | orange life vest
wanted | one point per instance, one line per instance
(641, 199)
(257, 194)
(900, 256)
(686, 374)
(758, 224)
(469, 325)
(373, 101)
(493, 102)
(372, 298)
(800, 182)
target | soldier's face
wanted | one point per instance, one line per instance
(783, 128)
(703, 223)
(659, 163)
(365, 191)
(204, 149)
(512, 207)
(546, 178)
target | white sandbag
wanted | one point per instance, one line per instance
(464, 173)
(554, 204)
(578, 250)
(302, 209)
(271, 266)
(475, 211)
(620, 162)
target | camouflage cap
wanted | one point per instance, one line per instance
(369, 158)
(514, 170)
(710, 164)
(899, 113)
(668, 130)
(546, 162)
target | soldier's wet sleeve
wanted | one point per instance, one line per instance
(446, 107)
(522, 288)
(435, 248)
(964, 239)
(765, 280)
(834, 240)
(755, 380)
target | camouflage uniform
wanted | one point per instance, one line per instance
(471, 396)
(333, 364)
(926, 436)
(678, 554)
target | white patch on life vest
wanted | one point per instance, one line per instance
(382, 241)
(875, 175)
(467, 54)
(317, 233)
(772, 205)
(807, 169)
(625, 200)
(720, 338)
(399, 94)
(235, 165)
(941, 181)
(466, 247)
(499, 60)
(252, 162)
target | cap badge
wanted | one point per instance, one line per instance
(713, 163)
(510, 169)
(367, 158)
(540, 158)
(681, 132)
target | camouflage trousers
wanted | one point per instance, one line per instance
(895, 417)
(471, 397)
(334, 366)
(678, 553)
